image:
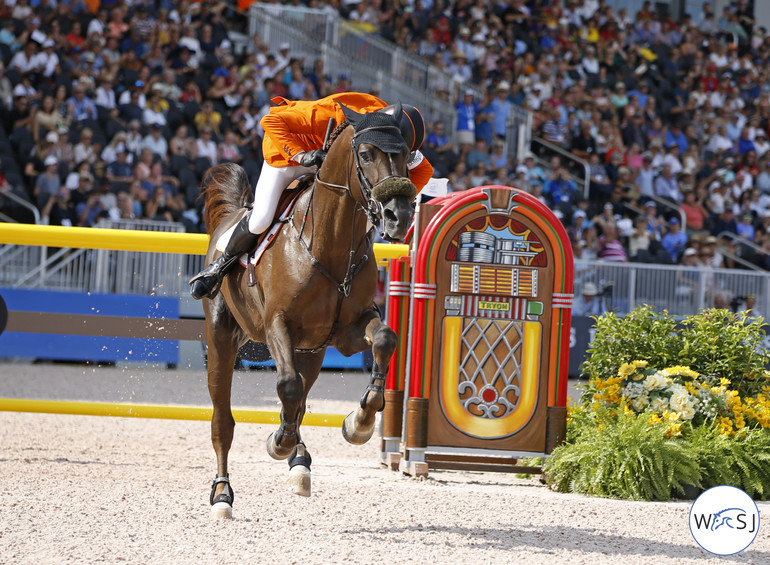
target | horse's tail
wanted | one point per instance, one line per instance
(226, 188)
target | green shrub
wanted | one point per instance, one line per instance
(715, 343)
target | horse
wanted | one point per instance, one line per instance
(315, 288)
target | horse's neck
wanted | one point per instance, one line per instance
(338, 222)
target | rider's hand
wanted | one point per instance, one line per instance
(313, 158)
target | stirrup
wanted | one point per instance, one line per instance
(211, 278)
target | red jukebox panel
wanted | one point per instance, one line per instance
(492, 313)
(489, 328)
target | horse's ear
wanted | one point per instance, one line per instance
(351, 116)
(398, 110)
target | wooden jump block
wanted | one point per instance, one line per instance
(414, 468)
(392, 461)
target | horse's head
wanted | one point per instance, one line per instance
(380, 156)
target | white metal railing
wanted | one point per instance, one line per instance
(566, 154)
(19, 201)
(100, 270)
(678, 289)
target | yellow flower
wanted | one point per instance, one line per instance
(626, 369)
(669, 415)
(724, 382)
(654, 419)
(639, 364)
(680, 370)
(674, 430)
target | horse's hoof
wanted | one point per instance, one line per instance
(355, 434)
(277, 451)
(299, 480)
(221, 511)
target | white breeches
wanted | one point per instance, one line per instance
(272, 182)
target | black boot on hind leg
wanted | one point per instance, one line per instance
(299, 471)
(208, 282)
(358, 426)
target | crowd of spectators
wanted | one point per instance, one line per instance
(118, 113)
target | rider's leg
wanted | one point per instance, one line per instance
(272, 181)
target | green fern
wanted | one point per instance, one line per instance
(625, 458)
(742, 461)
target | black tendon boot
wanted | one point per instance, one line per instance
(207, 282)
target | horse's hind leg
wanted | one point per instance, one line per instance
(358, 426)
(222, 351)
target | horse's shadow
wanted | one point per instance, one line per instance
(549, 539)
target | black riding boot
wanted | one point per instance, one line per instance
(207, 282)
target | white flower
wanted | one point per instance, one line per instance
(655, 381)
(659, 403)
(676, 388)
(634, 390)
(640, 403)
(680, 400)
(687, 413)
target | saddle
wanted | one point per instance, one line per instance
(286, 203)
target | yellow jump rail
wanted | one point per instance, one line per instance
(155, 411)
(134, 240)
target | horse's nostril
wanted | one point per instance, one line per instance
(390, 215)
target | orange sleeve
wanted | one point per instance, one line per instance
(421, 174)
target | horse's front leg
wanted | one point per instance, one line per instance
(309, 366)
(370, 331)
(290, 388)
(222, 352)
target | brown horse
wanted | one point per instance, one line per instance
(314, 288)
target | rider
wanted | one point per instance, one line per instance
(293, 146)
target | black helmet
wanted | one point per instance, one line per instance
(411, 123)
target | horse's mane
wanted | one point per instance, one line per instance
(335, 134)
(226, 189)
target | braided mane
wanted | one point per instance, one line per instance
(335, 134)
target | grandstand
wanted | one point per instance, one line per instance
(621, 116)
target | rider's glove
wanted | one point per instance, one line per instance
(313, 158)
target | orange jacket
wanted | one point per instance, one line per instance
(300, 125)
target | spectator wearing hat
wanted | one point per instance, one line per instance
(156, 108)
(587, 304)
(645, 177)
(459, 68)
(675, 240)
(639, 241)
(745, 227)
(501, 109)
(47, 183)
(155, 142)
(48, 60)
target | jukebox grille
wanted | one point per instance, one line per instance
(490, 367)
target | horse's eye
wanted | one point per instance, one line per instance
(366, 156)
